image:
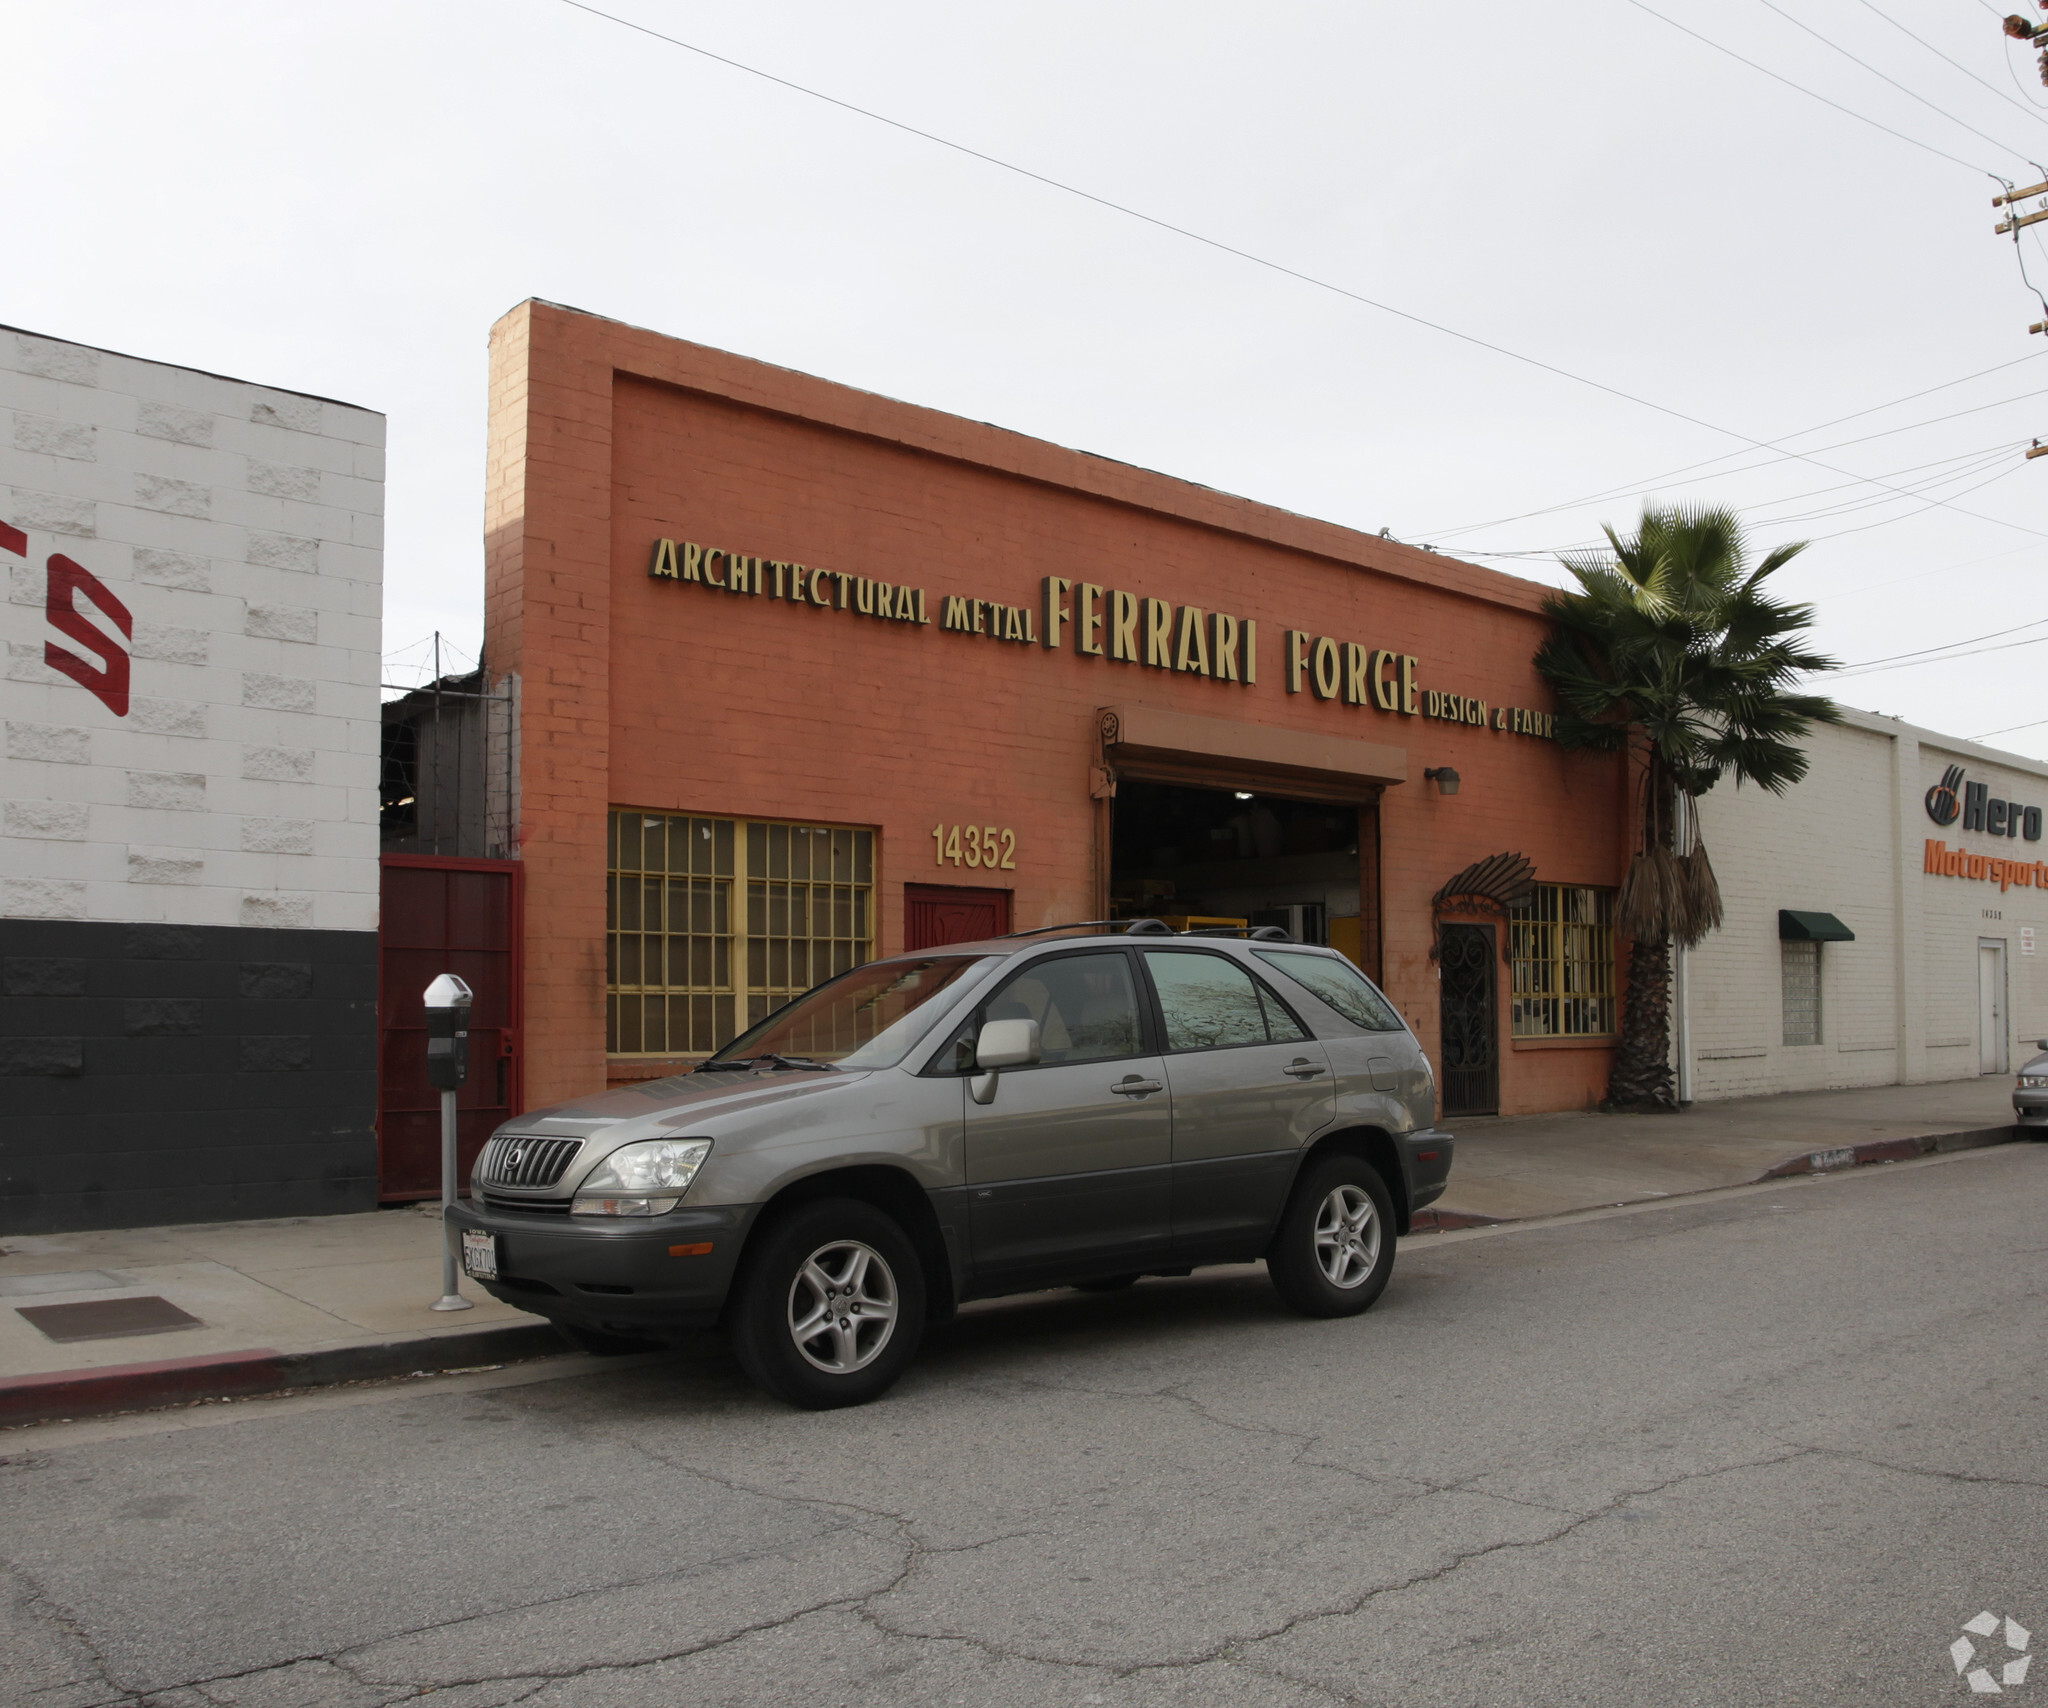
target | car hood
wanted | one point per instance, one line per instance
(659, 1104)
(2038, 1065)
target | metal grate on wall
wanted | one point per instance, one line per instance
(712, 923)
(1562, 946)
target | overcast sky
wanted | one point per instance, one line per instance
(341, 198)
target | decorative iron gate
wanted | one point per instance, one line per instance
(1471, 1032)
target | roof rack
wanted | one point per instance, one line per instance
(1131, 928)
(1159, 928)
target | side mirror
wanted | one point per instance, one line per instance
(1003, 1044)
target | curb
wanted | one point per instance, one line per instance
(1891, 1150)
(1813, 1162)
(68, 1394)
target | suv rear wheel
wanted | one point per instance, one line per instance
(830, 1306)
(1335, 1246)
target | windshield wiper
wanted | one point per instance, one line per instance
(742, 1063)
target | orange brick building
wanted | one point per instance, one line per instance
(806, 675)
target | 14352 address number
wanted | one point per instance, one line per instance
(976, 845)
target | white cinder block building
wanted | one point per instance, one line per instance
(188, 859)
(1928, 851)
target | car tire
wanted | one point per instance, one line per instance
(834, 1253)
(1106, 1284)
(602, 1345)
(1334, 1248)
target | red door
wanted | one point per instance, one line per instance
(444, 916)
(941, 913)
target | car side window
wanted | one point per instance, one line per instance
(1338, 983)
(1211, 1003)
(1086, 1007)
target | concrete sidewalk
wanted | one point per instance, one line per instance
(1544, 1165)
(333, 1298)
(279, 1303)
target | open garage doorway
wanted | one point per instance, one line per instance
(1229, 856)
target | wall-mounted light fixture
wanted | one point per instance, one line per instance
(1444, 777)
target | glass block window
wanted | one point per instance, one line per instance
(712, 923)
(1562, 944)
(1799, 974)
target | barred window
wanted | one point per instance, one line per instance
(712, 923)
(1799, 972)
(1563, 946)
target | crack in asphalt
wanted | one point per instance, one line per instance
(46, 1609)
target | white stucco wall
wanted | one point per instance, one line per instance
(242, 527)
(1900, 1004)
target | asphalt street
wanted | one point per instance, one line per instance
(1772, 1445)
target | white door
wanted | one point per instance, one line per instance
(1990, 1006)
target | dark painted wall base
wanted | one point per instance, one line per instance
(184, 1073)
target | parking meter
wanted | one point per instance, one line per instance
(447, 1001)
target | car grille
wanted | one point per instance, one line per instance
(525, 1206)
(514, 1159)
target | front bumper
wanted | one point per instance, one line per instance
(2030, 1108)
(1426, 1159)
(615, 1274)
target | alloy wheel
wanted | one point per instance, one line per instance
(842, 1306)
(1347, 1236)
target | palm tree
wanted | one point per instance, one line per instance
(1671, 650)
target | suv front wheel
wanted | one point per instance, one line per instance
(830, 1305)
(1335, 1246)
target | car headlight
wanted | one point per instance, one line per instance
(2034, 1082)
(647, 1179)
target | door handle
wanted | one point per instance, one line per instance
(1136, 1087)
(1302, 1069)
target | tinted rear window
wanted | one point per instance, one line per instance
(1338, 983)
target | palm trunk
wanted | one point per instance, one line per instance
(1642, 1058)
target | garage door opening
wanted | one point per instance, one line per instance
(1195, 856)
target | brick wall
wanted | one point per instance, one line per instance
(676, 697)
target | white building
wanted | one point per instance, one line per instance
(188, 870)
(1930, 851)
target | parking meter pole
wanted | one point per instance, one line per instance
(451, 1298)
(447, 1004)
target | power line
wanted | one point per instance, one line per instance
(1829, 41)
(2030, 108)
(1658, 482)
(1915, 663)
(1231, 249)
(1979, 460)
(2009, 729)
(1802, 88)
(1950, 646)
(1918, 575)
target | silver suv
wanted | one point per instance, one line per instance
(1079, 1107)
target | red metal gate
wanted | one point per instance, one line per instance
(934, 914)
(443, 915)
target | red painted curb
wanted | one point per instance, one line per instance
(135, 1387)
(229, 1375)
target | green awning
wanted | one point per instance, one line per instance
(1812, 928)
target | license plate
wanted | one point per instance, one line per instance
(480, 1254)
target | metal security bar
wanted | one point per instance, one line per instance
(1562, 946)
(712, 923)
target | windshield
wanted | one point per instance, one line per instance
(868, 1018)
(1339, 984)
